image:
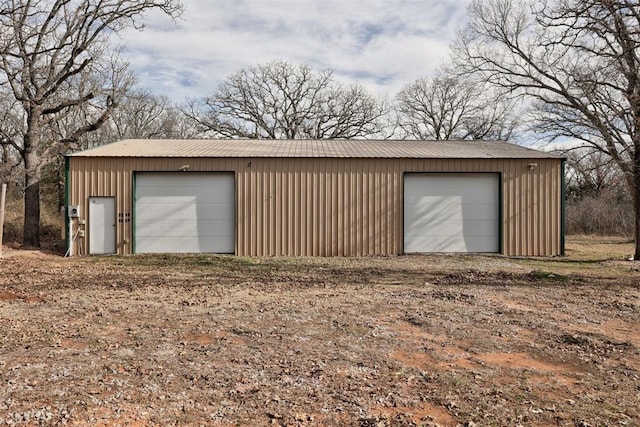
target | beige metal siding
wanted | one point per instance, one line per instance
(313, 207)
(333, 207)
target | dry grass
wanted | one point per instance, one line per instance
(402, 341)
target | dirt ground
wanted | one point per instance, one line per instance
(388, 341)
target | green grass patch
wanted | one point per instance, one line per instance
(548, 276)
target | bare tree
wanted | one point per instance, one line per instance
(55, 62)
(141, 114)
(10, 124)
(279, 100)
(576, 61)
(589, 172)
(448, 107)
(598, 200)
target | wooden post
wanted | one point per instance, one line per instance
(3, 196)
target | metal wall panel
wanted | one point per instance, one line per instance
(333, 207)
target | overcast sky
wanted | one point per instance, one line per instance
(381, 44)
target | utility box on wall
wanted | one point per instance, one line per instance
(73, 211)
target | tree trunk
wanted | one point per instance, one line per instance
(31, 231)
(636, 201)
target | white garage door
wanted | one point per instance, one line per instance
(184, 212)
(451, 212)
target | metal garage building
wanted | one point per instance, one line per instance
(314, 198)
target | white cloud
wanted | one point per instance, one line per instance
(380, 44)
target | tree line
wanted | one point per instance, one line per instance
(554, 70)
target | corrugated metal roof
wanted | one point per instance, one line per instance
(330, 148)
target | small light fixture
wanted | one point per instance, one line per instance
(184, 168)
(532, 166)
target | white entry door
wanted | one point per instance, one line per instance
(102, 225)
(455, 212)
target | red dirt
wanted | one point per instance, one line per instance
(396, 341)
